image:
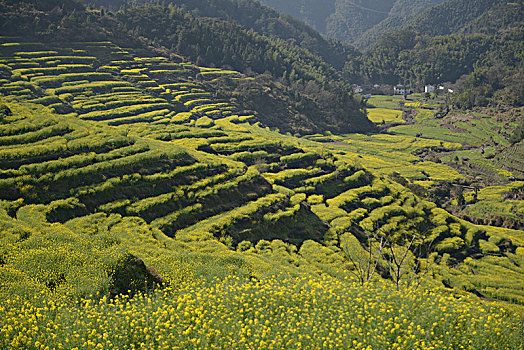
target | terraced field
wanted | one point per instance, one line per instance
(105, 83)
(68, 167)
(386, 154)
(464, 150)
(143, 138)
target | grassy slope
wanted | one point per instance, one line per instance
(209, 178)
(217, 297)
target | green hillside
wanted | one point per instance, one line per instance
(308, 89)
(453, 16)
(180, 161)
(492, 60)
(402, 13)
(313, 93)
(363, 23)
(447, 42)
(150, 199)
(263, 20)
(74, 192)
(465, 161)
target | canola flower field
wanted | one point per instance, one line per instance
(384, 115)
(156, 163)
(303, 312)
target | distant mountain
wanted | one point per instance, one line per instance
(444, 18)
(357, 22)
(400, 14)
(407, 57)
(453, 16)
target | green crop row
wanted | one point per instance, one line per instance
(15, 157)
(30, 54)
(323, 179)
(173, 216)
(200, 186)
(299, 158)
(185, 98)
(294, 175)
(168, 220)
(221, 221)
(25, 125)
(179, 86)
(96, 86)
(204, 122)
(377, 189)
(149, 162)
(95, 105)
(33, 136)
(197, 102)
(56, 81)
(125, 111)
(47, 100)
(282, 213)
(224, 186)
(65, 59)
(139, 118)
(115, 186)
(83, 159)
(248, 145)
(149, 203)
(61, 69)
(250, 157)
(210, 107)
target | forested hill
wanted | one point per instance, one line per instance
(401, 13)
(354, 21)
(483, 48)
(415, 59)
(260, 18)
(469, 16)
(175, 181)
(363, 23)
(300, 82)
(308, 94)
(444, 18)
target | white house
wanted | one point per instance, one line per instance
(401, 90)
(429, 88)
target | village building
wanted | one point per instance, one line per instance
(429, 88)
(401, 90)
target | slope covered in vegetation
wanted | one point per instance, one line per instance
(78, 245)
(487, 68)
(263, 20)
(149, 202)
(455, 16)
(179, 159)
(360, 23)
(331, 99)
